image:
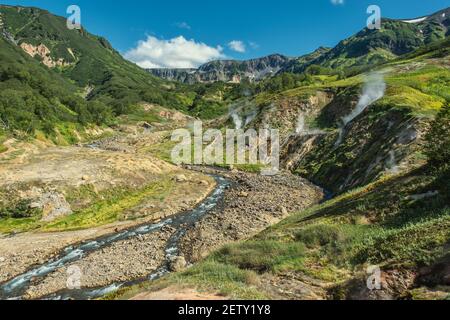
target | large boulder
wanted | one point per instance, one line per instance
(53, 205)
(181, 178)
(177, 264)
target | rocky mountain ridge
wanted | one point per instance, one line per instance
(227, 70)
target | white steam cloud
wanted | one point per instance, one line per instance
(300, 125)
(374, 89)
(303, 129)
(237, 120)
(391, 163)
(250, 117)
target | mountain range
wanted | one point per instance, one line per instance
(368, 47)
(226, 70)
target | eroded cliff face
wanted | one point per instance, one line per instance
(377, 142)
(180, 75)
(44, 55)
(380, 140)
(232, 71)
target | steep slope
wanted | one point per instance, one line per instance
(88, 60)
(36, 99)
(297, 65)
(396, 37)
(340, 152)
(227, 70)
(362, 50)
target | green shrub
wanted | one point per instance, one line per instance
(213, 271)
(438, 140)
(261, 256)
(19, 210)
(319, 235)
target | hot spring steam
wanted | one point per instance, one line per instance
(374, 89)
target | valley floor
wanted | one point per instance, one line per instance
(158, 190)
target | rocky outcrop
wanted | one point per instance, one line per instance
(180, 75)
(53, 205)
(44, 54)
(232, 71)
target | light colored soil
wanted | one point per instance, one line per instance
(176, 293)
(255, 203)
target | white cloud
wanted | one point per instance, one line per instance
(183, 25)
(337, 2)
(174, 53)
(237, 46)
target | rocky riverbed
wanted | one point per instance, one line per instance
(251, 204)
(124, 260)
(254, 203)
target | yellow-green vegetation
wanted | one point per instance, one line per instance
(67, 133)
(407, 97)
(399, 221)
(210, 276)
(162, 149)
(8, 225)
(418, 84)
(137, 113)
(113, 208)
(424, 89)
(103, 208)
(3, 148)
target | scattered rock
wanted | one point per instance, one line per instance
(243, 194)
(178, 264)
(35, 205)
(250, 204)
(85, 178)
(180, 178)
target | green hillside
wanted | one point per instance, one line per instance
(372, 47)
(34, 97)
(71, 61)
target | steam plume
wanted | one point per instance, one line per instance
(374, 89)
(237, 120)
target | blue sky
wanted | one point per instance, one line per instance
(240, 29)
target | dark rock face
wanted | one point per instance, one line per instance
(180, 75)
(227, 70)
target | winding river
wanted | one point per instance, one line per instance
(16, 287)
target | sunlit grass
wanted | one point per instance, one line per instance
(111, 210)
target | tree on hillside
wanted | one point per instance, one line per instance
(438, 140)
